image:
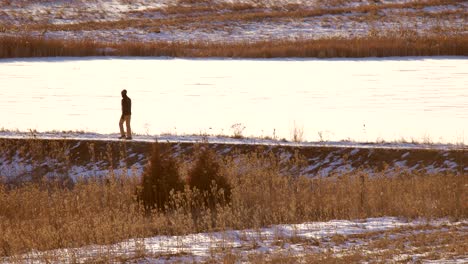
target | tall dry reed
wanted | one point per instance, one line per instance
(397, 44)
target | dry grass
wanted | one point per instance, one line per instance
(47, 215)
(409, 244)
(207, 15)
(297, 133)
(415, 243)
(190, 12)
(398, 44)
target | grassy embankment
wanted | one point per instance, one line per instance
(46, 215)
(401, 41)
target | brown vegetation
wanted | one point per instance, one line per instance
(206, 176)
(402, 40)
(46, 215)
(204, 12)
(161, 176)
(30, 159)
(378, 46)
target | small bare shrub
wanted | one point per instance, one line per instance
(297, 133)
(237, 130)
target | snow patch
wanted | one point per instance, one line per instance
(198, 247)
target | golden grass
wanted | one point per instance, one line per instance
(397, 44)
(205, 15)
(46, 215)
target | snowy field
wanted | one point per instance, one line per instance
(159, 20)
(371, 239)
(363, 100)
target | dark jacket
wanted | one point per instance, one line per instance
(126, 106)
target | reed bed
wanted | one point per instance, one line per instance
(47, 215)
(378, 46)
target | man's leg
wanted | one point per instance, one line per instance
(122, 132)
(129, 130)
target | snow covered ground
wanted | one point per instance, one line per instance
(224, 139)
(22, 17)
(299, 242)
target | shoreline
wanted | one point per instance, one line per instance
(64, 159)
(333, 47)
(230, 140)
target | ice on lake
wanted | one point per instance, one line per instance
(424, 99)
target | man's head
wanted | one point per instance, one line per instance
(124, 93)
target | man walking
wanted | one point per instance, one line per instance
(126, 116)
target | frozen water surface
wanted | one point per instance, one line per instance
(424, 98)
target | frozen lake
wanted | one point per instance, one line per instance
(425, 99)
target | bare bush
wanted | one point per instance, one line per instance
(237, 130)
(297, 133)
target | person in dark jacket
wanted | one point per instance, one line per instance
(126, 116)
